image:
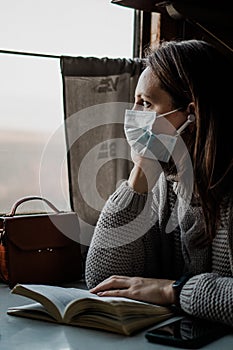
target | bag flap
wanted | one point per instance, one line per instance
(29, 232)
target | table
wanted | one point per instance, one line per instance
(26, 334)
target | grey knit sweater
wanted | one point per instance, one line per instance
(132, 238)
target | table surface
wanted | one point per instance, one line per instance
(26, 334)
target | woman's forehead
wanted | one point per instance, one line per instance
(147, 78)
(148, 83)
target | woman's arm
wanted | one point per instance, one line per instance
(117, 245)
(209, 296)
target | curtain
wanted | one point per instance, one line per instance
(96, 93)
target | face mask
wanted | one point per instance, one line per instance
(141, 138)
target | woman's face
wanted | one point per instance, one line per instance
(149, 96)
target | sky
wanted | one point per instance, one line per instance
(31, 87)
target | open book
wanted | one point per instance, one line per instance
(79, 307)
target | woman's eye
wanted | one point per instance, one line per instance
(146, 104)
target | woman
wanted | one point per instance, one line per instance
(166, 235)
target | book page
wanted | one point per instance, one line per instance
(53, 298)
(58, 300)
(35, 311)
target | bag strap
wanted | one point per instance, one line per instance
(25, 199)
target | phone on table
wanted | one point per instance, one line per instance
(188, 332)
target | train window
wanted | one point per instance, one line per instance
(32, 140)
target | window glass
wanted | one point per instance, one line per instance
(32, 141)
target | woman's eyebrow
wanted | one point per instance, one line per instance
(146, 96)
(142, 95)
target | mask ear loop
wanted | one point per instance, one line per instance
(190, 119)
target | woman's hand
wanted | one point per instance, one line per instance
(144, 174)
(156, 291)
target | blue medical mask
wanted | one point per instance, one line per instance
(145, 142)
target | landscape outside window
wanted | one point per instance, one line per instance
(31, 108)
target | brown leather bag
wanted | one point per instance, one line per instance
(40, 248)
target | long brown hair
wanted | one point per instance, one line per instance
(195, 71)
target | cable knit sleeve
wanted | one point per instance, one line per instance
(117, 244)
(209, 296)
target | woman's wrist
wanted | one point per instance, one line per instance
(144, 174)
(178, 285)
(137, 180)
(169, 293)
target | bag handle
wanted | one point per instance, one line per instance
(29, 198)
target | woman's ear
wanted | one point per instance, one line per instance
(191, 112)
(191, 108)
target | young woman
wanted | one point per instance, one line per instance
(166, 235)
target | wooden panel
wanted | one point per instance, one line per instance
(201, 19)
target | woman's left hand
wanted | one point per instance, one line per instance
(156, 291)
